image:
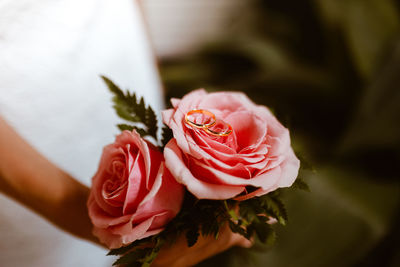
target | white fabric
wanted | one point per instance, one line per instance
(193, 24)
(51, 55)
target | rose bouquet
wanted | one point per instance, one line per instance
(221, 161)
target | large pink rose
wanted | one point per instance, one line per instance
(133, 195)
(255, 159)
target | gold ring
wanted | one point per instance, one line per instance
(226, 133)
(201, 111)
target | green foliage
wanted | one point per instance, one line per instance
(305, 163)
(300, 184)
(275, 207)
(254, 215)
(140, 253)
(125, 249)
(166, 135)
(133, 110)
(192, 235)
(263, 231)
(151, 122)
(207, 217)
(153, 252)
(132, 257)
(128, 127)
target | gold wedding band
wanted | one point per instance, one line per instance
(206, 126)
(226, 133)
(198, 125)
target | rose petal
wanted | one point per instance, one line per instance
(250, 130)
(290, 170)
(166, 194)
(265, 180)
(175, 163)
(136, 186)
(175, 102)
(102, 219)
(117, 236)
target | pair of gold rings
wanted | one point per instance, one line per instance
(210, 124)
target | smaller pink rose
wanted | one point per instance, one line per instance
(133, 195)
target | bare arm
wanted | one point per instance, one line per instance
(32, 180)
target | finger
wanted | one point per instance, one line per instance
(243, 242)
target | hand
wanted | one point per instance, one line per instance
(180, 255)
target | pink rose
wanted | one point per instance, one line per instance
(257, 155)
(133, 195)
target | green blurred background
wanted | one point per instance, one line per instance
(330, 71)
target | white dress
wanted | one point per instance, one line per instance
(51, 55)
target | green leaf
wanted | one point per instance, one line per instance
(166, 135)
(263, 231)
(123, 250)
(236, 228)
(139, 257)
(151, 122)
(113, 87)
(211, 228)
(192, 235)
(131, 257)
(248, 209)
(300, 184)
(124, 113)
(130, 109)
(124, 127)
(153, 253)
(141, 110)
(305, 163)
(231, 212)
(275, 208)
